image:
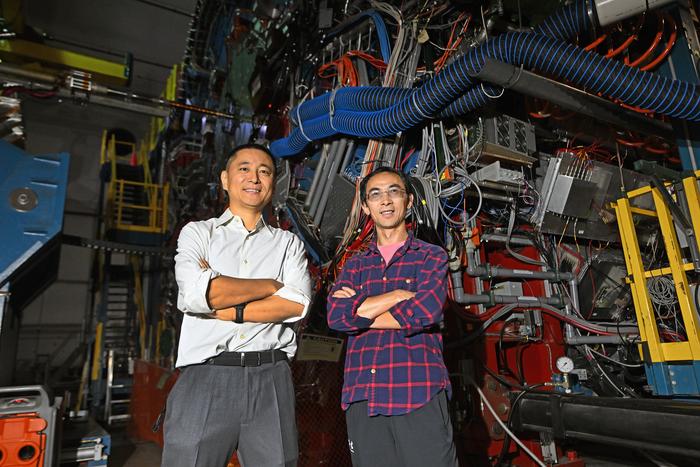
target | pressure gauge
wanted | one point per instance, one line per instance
(565, 364)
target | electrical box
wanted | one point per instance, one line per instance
(495, 173)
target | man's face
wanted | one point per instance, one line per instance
(386, 200)
(249, 179)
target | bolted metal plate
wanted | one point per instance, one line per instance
(23, 199)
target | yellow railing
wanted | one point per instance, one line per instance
(138, 206)
(653, 348)
(150, 216)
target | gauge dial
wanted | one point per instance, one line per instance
(565, 364)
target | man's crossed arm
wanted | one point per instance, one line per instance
(262, 305)
(377, 307)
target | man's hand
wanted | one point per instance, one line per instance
(227, 314)
(344, 292)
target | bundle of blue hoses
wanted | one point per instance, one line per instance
(375, 112)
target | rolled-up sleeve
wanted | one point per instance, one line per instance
(296, 279)
(342, 312)
(425, 308)
(192, 279)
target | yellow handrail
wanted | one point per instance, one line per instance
(148, 212)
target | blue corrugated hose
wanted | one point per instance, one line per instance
(374, 112)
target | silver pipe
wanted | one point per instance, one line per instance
(348, 156)
(569, 331)
(514, 240)
(612, 11)
(524, 300)
(120, 104)
(317, 176)
(485, 195)
(487, 271)
(324, 178)
(454, 264)
(338, 157)
(33, 75)
(581, 340)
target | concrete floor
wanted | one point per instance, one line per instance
(129, 453)
(144, 455)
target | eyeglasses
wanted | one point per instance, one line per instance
(393, 192)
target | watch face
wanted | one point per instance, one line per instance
(565, 364)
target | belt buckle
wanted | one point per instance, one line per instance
(249, 361)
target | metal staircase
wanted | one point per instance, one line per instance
(135, 211)
(117, 338)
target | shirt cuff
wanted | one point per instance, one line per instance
(196, 298)
(404, 316)
(294, 295)
(360, 322)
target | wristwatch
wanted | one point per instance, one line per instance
(239, 312)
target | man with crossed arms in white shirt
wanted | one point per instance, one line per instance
(241, 283)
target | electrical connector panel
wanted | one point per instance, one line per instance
(495, 173)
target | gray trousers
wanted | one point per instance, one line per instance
(213, 411)
(422, 438)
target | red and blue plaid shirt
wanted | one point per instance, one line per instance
(395, 371)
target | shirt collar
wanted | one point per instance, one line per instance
(410, 243)
(227, 217)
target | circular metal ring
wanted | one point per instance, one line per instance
(23, 199)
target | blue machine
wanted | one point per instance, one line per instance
(32, 198)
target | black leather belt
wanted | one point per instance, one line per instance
(248, 358)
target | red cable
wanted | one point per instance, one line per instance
(654, 43)
(631, 144)
(595, 43)
(628, 41)
(669, 45)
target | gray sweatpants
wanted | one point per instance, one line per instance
(422, 438)
(213, 411)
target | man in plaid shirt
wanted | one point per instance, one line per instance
(389, 299)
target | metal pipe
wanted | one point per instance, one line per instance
(514, 239)
(317, 176)
(324, 178)
(485, 195)
(524, 300)
(337, 160)
(454, 264)
(487, 271)
(569, 331)
(649, 424)
(587, 340)
(29, 74)
(348, 156)
(119, 104)
(525, 82)
(612, 11)
(457, 286)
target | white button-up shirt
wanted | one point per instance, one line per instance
(229, 249)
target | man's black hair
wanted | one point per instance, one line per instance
(255, 146)
(390, 170)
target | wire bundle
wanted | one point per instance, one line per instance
(455, 91)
